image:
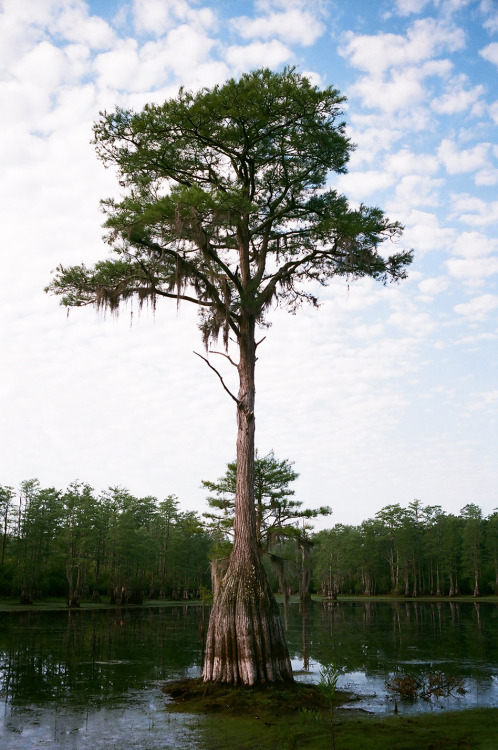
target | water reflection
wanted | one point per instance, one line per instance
(372, 642)
(92, 679)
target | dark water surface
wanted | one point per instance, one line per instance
(92, 679)
(372, 642)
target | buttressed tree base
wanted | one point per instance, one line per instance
(226, 206)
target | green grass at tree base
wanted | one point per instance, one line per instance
(475, 729)
(288, 716)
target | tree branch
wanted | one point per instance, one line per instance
(183, 297)
(221, 379)
(195, 272)
(223, 354)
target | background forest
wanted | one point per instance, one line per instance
(83, 546)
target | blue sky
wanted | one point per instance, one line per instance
(383, 395)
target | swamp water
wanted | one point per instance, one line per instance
(92, 678)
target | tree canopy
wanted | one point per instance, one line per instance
(204, 174)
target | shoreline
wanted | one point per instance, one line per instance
(60, 604)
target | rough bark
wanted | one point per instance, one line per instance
(245, 642)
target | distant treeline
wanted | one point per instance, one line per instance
(410, 551)
(82, 545)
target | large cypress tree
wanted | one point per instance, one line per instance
(226, 207)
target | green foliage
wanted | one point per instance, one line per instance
(6, 509)
(80, 545)
(225, 203)
(277, 513)
(38, 516)
(409, 551)
(329, 677)
(282, 524)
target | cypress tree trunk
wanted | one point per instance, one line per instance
(452, 585)
(476, 581)
(245, 640)
(305, 578)
(438, 581)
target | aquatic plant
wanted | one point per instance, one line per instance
(433, 685)
(329, 675)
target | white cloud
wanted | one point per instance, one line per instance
(74, 108)
(474, 211)
(39, 14)
(458, 160)
(459, 97)
(479, 308)
(314, 78)
(474, 245)
(490, 10)
(412, 323)
(209, 73)
(136, 69)
(493, 111)
(425, 234)
(406, 161)
(416, 190)
(43, 66)
(272, 6)
(357, 185)
(372, 135)
(258, 54)
(433, 286)
(451, 6)
(39, 77)
(74, 25)
(157, 16)
(396, 65)
(473, 263)
(424, 39)
(405, 7)
(490, 53)
(402, 91)
(474, 338)
(294, 25)
(486, 177)
(366, 332)
(484, 400)
(472, 270)
(182, 51)
(24, 23)
(118, 69)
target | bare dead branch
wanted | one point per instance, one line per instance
(220, 377)
(223, 354)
